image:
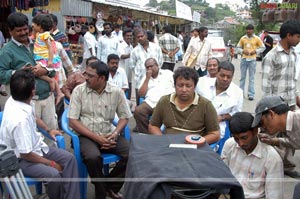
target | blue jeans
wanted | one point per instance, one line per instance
(251, 66)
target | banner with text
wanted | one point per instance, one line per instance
(183, 11)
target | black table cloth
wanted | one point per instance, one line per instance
(154, 169)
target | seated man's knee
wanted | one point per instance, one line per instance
(138, 111)
(53, 173)
(69, 157)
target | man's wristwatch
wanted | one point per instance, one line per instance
(115, 132)
(223, 118)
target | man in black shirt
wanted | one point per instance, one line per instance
(268, 41)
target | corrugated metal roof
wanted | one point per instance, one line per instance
(77, 8)
(139, 9)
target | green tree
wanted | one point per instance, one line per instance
(257, 12)
(152, 3)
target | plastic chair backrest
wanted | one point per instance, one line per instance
(227, 135)
(141, 99)
(127, 94)
(66, 101)
(76, 146)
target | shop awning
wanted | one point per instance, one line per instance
(142, 13)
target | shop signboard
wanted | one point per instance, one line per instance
(183, 11)
(196, 16)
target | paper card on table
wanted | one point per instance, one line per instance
(189, 146)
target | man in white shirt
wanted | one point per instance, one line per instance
(36, 159)
(107, 44)
(89, 45)
(140, 53)
(226, 97)
(125, 49)
(212, 70)
(118, 33)
(200, 47)
(117, 75)
(256, 165)
(156, 83)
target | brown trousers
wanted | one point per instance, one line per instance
(141, 115)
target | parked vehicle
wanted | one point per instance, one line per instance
(276, 37)
(219, 49)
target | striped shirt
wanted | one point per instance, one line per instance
(279, 74)
(169, 43)
(291, 139)
(138, 57)
(260, 172)
(63, 39)
(97, 111)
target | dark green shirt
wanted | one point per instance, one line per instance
(200, 117)
(13, 56)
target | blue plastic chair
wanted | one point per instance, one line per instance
(222, 141)
(66, 101)
(107, 157)
(127, 94)
(60, 140)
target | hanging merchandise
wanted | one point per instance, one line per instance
(19, 4)
(104, 10)
(41, 3)
(99, 22)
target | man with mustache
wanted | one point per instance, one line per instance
(108, 43)
(17, 54)
(226, 97)
(92, 109)
(117, 75)
(155, 84)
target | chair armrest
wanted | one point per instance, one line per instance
(60, 140)
(141, 100)
(69, 132)
(214, 146)
(66, 101)
(126, 130)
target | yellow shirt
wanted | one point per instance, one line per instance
(250, 44)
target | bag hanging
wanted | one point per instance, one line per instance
(191, 62)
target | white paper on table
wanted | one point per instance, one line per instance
(189, 146)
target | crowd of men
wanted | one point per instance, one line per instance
(259, 153)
